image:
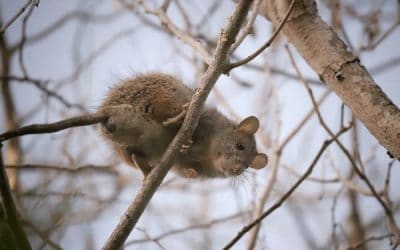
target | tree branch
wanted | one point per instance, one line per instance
(267, 44)
(54, 127)
(15, 17)
(40, 84)
(67, 169)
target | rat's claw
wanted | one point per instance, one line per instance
(185, 147)
(142, 164)
(185, 106)
(178, 118)
(190, 173)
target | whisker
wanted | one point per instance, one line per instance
(251, 184)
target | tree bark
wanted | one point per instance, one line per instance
(338, 68)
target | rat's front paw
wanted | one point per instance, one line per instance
(177, 120)
(190, 173)
(186, 146)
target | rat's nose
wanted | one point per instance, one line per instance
(238, 168)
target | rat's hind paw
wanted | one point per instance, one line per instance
(178, 118)
(190, 173)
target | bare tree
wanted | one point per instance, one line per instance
(331, 132)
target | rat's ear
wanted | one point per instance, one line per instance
(249, 125)
(259, 161)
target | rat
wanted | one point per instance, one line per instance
(145, 113)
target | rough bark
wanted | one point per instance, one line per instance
(338, 68)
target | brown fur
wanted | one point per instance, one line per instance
(138, 107)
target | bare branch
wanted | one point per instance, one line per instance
(267, 44)
(185, 37)
(23, 39)
(188, 228)
(82, 16)
(40, 85)
(54, 127)
(42, 235)
(303, 122)
(360, 244)
(391, 29)
(249, 25)
(70, 170)
(15, 17)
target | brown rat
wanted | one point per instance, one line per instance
(146, 112)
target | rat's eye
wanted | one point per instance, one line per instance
(239, 146)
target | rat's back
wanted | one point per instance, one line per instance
(137, 108)
(157, 96)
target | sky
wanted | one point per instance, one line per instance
(135, 48)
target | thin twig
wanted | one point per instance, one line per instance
(23, 39)
(267, 44)
(249, 25)
(267, 190)
(333, 218)
(184, 36)
(311, 179)
(387, 65)
(79, 15)
(40, 85)
(15, 17)
(184, 14)
(96, 52)
(360, 244)
(46, 239)
(301, 124)
(387, 183)
(149, 238)
(70, 170)
(277, 71)
(188, 228)
(373, 45)
(77, 121)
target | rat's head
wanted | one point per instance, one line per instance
(234, 150)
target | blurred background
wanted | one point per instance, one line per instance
(59, 58)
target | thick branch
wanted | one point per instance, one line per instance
(154, 179)
(339, 69)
